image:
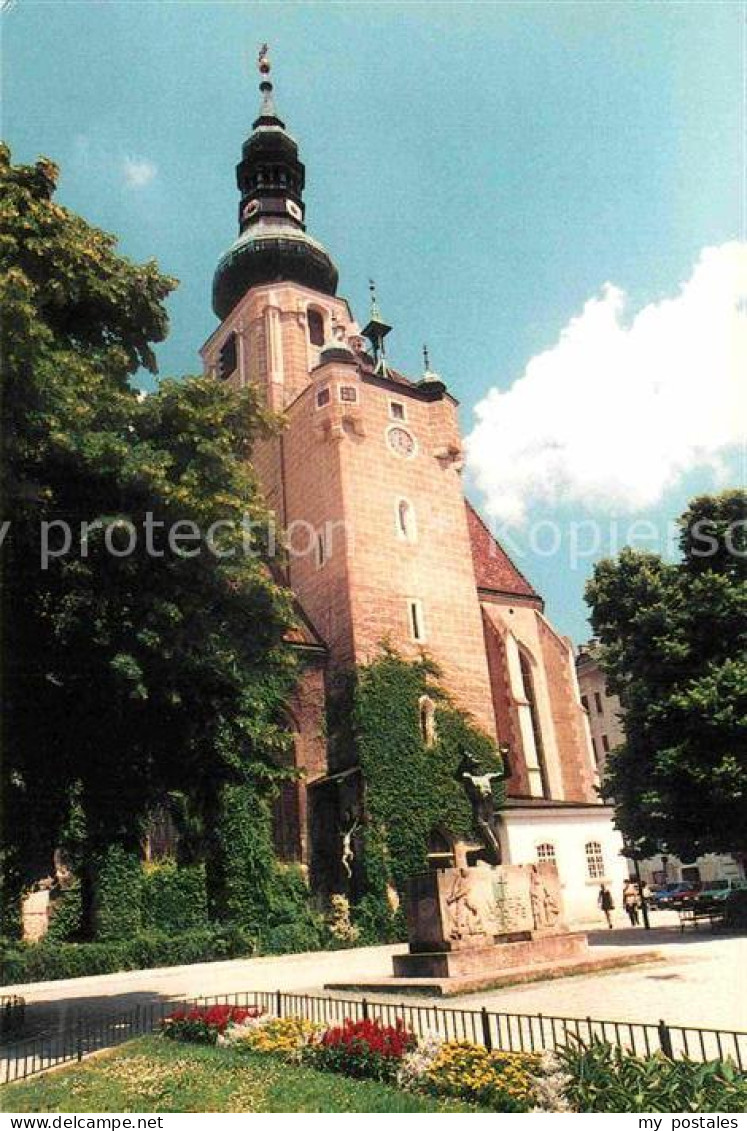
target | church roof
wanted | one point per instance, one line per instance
(494, 570)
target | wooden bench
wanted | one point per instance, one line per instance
(692, 915)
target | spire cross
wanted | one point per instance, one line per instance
(267, 109)
(426, 359)
(375, 315)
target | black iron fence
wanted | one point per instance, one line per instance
(508, 1032)
(12, 1015)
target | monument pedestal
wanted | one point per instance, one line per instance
(494, 958)
(476, 928)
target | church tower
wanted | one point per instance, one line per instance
(365, 479)
(365, 476)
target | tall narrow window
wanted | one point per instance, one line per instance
(598, 701)
(427, 710)
(605, 744)
(321, 549)
(527, 680)
(594, 860)
(228, 357)
(417, 626)
(585, 702)
(315, 322)
(405, 520)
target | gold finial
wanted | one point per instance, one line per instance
(263, 60)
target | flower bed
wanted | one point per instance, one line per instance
(579, 1078)
(363, 1049)
(204, 1024)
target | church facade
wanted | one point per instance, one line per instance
(365, 478)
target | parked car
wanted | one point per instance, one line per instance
(673, 896)
(718, 891)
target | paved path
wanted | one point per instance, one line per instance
(702, 981)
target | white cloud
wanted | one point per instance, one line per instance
(138, 171)
(621, 407)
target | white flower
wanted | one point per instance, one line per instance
(416, 1063)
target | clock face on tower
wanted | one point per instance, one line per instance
(401, 441)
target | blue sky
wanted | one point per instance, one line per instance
(493, 166)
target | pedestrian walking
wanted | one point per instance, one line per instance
(607, 904)
(631, 901)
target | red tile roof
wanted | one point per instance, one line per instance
(493, 568)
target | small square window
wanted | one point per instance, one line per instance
(322, 398)
(396, 410)
(348, 394)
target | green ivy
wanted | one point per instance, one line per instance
(66, 915)
(174, 898)
(117, 893)
(411, 788)
(241, 860)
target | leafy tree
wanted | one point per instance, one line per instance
(674, 640)
(126, 675)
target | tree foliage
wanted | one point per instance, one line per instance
(674, 640)
(126, 674)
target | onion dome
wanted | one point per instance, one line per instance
(273, 244)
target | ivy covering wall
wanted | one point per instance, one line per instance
(411, 789)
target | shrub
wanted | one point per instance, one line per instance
(204, 1024)
(607, 1079)
(42, 962)
(117, 894)
(174, 898)
(341, 930)
(363, 1049)
(66, 914)
(285, 1036)
(498, 1080)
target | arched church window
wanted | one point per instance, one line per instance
(594, 860)
(527, 680)
(406, 520)
(315, 321)
(546, 853)
(427, 711)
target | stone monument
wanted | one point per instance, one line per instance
(480, 920)
(486, 923)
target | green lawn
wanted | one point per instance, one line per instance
(152, 1074)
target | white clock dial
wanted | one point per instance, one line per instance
(401, 441)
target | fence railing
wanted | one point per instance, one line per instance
(508, 1032)
(12, 1014)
